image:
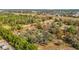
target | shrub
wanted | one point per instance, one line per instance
(72, 29)
(19, 27)
(39, 25)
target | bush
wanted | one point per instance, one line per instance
(39, 25)
(72, 29)
(19, 27)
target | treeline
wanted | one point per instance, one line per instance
(17, 42)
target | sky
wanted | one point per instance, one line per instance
(39, 4)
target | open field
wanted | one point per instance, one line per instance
(39, 30)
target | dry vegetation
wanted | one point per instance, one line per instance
(28, 31)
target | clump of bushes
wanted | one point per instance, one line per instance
(72, 41)
(54, 28)
(16, 41)
(38, 36)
